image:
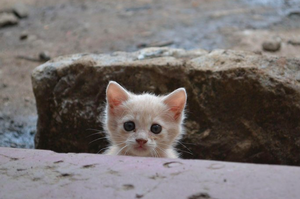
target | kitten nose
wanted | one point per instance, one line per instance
(141, 141)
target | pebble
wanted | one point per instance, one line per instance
(293, 12)
(13, 145)
(32, 132)
(8, 19)
(44, 56)
(294, 42)
(27, 99)
(23, 35)
(3, 85)
(271, 46)
(156, 44)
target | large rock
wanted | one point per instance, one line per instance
(242, 106)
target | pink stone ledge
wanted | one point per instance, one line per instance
(31, 174)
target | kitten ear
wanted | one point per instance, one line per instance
(115, 94)
(176, 101)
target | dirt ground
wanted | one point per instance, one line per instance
(74, 26)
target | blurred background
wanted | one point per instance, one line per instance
(34, 31)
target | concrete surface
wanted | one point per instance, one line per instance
(27, 173)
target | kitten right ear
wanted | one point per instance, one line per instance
(176, 101)
(115, 94)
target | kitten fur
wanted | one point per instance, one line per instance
(144, 110)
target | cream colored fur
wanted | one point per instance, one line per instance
(144, 110)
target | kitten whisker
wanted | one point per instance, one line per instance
(185, 147)
(120, 143)
(102, 149)
(97, 140)
(126, 151)
(98, 130)
(157, 155)
(92, 130)
(184, 151)
(189, 143)
(121, 149)
(162, 150)
(93, 134)
(177, 149)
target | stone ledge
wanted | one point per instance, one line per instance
(26, 173)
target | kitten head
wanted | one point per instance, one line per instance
(143, 125)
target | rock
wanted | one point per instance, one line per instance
(293, 12)
(23, 36)
(156, 44)
(294, 42)
(44, 56)
(8, 19)
(271, 46)
(20, 10)
(242, 106)
(13, 145)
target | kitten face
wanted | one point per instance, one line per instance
(143, 125)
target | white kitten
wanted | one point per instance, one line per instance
(143, 125)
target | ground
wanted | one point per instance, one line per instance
(73, 26)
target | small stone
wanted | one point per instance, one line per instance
(27, 99)
(23, 36)
(20, 10)
(3, 85)
(32, 132)
(293, 12)
(294, 42)
(271, 46)
(44, 56)
(8, 19)
(13, 145)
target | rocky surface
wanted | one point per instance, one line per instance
(242, 106)
(8, 19)
(44, 174)
(20, 10)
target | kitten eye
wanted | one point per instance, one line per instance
(156, 128)
(129, 126)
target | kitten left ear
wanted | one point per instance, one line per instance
(115, 94)
(176, 101)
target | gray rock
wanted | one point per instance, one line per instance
(44, 56)
(294, 42)
(8, 19)
(242, 106)
(271, 46)
(23, 35)
(20, 10)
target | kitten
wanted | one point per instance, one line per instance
(143, 125)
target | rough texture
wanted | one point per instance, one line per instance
(8, 19)
(39, 174)
(241, 106)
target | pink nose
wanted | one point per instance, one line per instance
(141, 141)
